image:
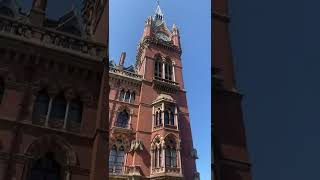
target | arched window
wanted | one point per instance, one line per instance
(1, 90)
(166, 117)
(116, 159)
(121, 97)
(119, 159)
(123, 119)
(133, 97)
(75, 111)
(171, 118)
(158, 118)
(58, 107)
(112, 157)
(168, 70)
(127, 98)
(41, 104)
(45, 168)
(171, 154)
(158, 67)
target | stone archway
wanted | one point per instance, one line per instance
(61, 149)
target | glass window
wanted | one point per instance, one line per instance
(58, 107)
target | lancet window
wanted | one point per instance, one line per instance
(163, 69)
(123, 119)
(127, 96)
(116, 157)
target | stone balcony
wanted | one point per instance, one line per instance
(124, 73)
(166, 172)
(50, 38)
(125, 172)
(165, 85)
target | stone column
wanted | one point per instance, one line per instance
(66, 115)
(173, 73)
(46, 124)
(176, 117)
(162, 114)
(163, 70)
(153, 118)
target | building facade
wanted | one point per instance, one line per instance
(229, 149)
(53, 92)
(150, 133)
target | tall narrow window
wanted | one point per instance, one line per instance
(127, 97)
(123, 119)
(121, 97)
(168, 71)
(58, 107)
(168, 157)
(133, 97)
(171, 118)
(119, 159)
(112, 158)
(75, 111)
(41, 105)
(158, 67)
(166, 117)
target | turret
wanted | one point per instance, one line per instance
(175, 36)
(38, 12)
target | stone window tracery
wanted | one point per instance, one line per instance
(57, 111)
(164, 69)
(122, 119)
(127, 96)
(117, 156)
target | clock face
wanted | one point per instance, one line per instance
(163, 36)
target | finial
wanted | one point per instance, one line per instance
(158, 2)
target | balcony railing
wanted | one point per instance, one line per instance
(124, 73)
(132, 170)
(49, 37)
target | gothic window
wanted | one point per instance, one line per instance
(156, 153)
(75, 111)
(41, 105)
(119, 159)
(158, 119)
(168, 70)
(133, 97)
(122, 93)
(123, 119)
(158, 67)
(58, 107)
(127, 96)
(171, 155)
(112, 157)
(1, 89)
(116, 159)
(166, 117)
(45, 168)
(169, 117)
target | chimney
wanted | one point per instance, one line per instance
(122, 58)
(38, 12)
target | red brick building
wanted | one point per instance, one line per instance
(150, 133)
(53, 91)
(230, 154)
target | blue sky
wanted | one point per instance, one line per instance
(193, 19)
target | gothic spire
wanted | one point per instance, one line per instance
(158, 14)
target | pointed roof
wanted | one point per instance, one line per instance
(158, 13)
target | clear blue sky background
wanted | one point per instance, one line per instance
(277, 56)
(193, 18)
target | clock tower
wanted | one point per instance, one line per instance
(157, 114)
